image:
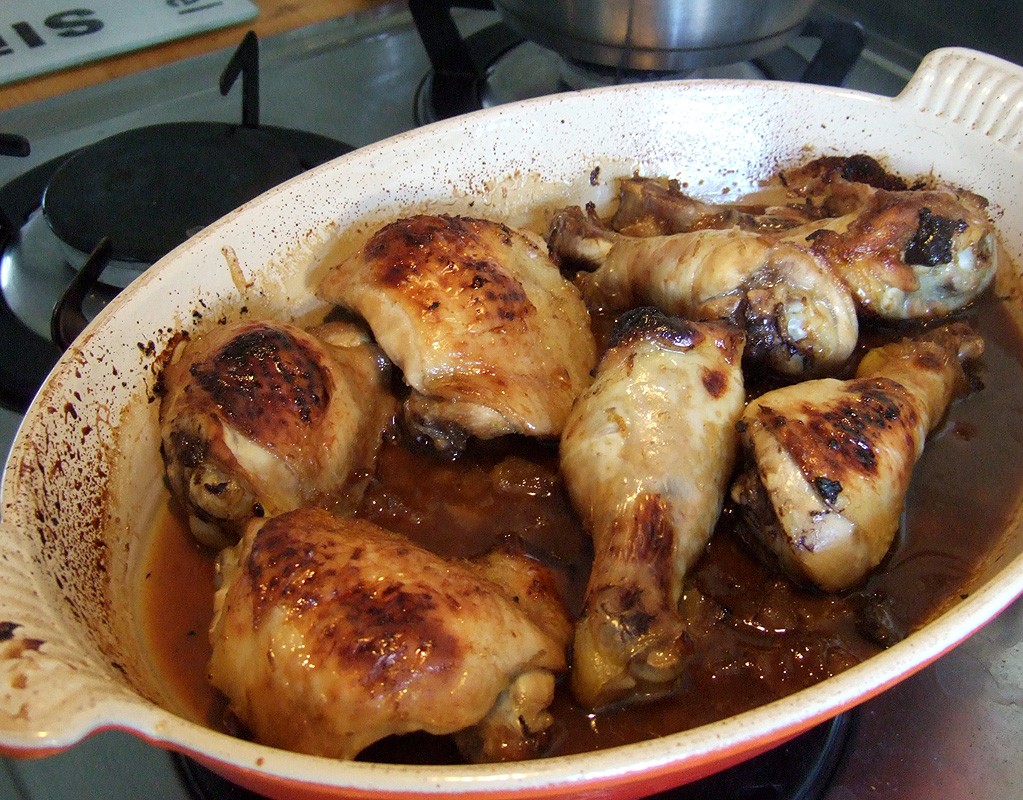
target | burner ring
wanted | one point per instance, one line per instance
(150, 189)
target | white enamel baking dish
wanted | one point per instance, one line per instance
(84, 477)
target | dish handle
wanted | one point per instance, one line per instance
(48, 688)
(974, 90)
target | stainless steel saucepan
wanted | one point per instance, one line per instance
(660, 35)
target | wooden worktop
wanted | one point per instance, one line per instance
(275, 16)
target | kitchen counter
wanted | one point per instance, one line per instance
(275, 16)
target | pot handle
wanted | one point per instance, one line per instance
(973, 90)
(49, 686)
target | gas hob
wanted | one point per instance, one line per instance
(952, 730)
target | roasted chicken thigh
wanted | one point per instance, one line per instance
(489, 336)
(798, 317)
(827, 463)
(261, 417)
(332, 633)
(646, 456)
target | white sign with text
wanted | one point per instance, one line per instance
(40, 36)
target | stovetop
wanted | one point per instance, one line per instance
(952, 730)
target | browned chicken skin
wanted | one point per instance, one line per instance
(646, 457)
(261, 417)
(331, 633)
(489, 336)
(827, 463)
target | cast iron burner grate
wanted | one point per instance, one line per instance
(801, 769)
(495, 65)
(127, 200)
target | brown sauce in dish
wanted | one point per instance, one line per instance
(757, 637)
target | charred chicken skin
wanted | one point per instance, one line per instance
(646, 457)
(331, 633)
(262, 417)
(917, 255)
(489, 336)
(798, 317)
(826, 463)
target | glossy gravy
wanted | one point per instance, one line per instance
(757, 637)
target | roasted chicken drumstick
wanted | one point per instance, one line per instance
(331, 633)
(903, 253)
(261, 417)
(798, 317)
(489, 336)
(646, 456)
(912, 255)
(827, 463)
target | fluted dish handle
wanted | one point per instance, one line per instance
(973, 90)
(48, 685)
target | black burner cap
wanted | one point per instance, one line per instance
(150, 189)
